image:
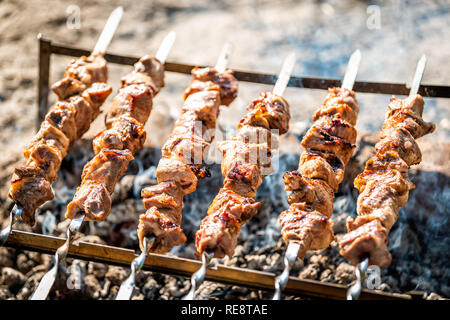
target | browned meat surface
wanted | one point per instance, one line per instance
(328, 144)
(84, 90)
(124, 135)
(182, 156)
(204, 79)
(97, 183)
(80, 74)
(384, 185)
(308, 227)
(246, 160)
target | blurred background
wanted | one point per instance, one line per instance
(392, 35)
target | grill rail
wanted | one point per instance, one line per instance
(47, 48)
(175, 266)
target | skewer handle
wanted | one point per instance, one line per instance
(289, 260)
(126, 288)
(49, 278)
(354, 291)
(199, 276)
(15, 213)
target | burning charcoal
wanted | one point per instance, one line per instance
(151, 289)
(311, 271)
(92, 286)
(99, 270)
(345, 273)
(12, 279)
(116, 274)
(5, 294)
(6, 257)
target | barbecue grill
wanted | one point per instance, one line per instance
(185, 267)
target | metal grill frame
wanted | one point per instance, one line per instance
(175, 266)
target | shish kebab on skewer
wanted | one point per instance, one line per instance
(183, 154)
(328, 145)
(182, 158)
(384, 184)
(114, 148)
(247, 159)
(81, 93)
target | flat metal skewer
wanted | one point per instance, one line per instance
(418, 75)
(49, 278)
(293, 247)
(285, 74)
(127, 286)
(289, 259)
(281, 84)
(354, 291)
(165, 47)
(199, 276)
(108, 31)
(16, 211)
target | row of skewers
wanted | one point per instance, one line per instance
(306, 225)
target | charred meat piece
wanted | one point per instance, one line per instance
(205, 79)
(80, 74)
(97, 183)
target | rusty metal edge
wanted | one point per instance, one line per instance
(185, 267)
(432, 91)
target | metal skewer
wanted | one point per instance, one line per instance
(418, 75)
(199, 276)
(281, 84)
(354, 291)
(15, 213)
(49, 278)
(127, 286)
(165, 47)
(108, 30)
(294, 247)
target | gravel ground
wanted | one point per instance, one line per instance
(323, 34)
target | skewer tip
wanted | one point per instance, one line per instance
(420, 68)
(224, 57)
(166, 46)
(285, 74)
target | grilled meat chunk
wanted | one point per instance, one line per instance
(384, 185)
